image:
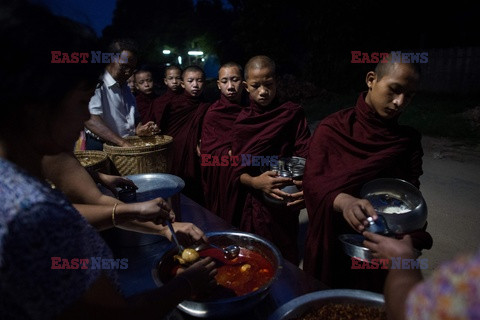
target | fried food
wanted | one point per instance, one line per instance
(188, 256)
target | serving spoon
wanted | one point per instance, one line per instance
(174, 237)
(230, 252)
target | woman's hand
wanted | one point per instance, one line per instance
(187, 233)
(355, 210)
(113, 182)
(200, 276)
(155, 210)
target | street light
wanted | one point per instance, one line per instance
(195, 53)
(166, 51)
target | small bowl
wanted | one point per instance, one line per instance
(353, 246)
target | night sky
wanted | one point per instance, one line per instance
(97, 14)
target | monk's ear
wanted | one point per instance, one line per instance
(218, 85)
(370, 79)
(182, 84)
(245, 85)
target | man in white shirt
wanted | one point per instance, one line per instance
(113, 110)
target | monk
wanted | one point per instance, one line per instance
(216, 139)
(182, 119)
(173, 81)
(348, 149)
(145, 94)
(268, 128)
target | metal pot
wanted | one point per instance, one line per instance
(299, 306)
(229, 306)
(399, 204)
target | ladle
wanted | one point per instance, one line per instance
(230, 252)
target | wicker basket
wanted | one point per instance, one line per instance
(148, 155)
(94, 160)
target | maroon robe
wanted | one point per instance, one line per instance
(348, 149)
(182, 119)
(217, 142)
(276, 130)
(159, 106)
(145, 106)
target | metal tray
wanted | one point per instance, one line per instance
(154, 185)
(297, 307)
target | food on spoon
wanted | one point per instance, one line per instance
(188, 256)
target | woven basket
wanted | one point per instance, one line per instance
(148, 155)
(94, 160)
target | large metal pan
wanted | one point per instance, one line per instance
(223, 308)
(300, 305)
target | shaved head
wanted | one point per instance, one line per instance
(259, 62)
(231, 65)
(385, 67)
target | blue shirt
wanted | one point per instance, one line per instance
(37, 224)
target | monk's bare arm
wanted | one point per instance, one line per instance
(354, 210)
(100, 128)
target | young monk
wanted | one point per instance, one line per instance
(182, 119)
(216, 139)
(348, 149)
(173, 81)
(145, 94)
(268, 128)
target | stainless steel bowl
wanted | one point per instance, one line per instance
(399, 202)
(229, 306)
(300, 305)
(353, 246)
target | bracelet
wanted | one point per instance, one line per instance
(113, 214)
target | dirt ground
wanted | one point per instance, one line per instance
(451, 187)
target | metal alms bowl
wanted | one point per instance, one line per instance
(226, 307)
(289, 167)
(398, 202)
(297, 307)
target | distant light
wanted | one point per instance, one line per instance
(203, 59)
(167, 64)
(166, 51)
(195, 53)
(179, 60)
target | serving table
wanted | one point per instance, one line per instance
(138, 277)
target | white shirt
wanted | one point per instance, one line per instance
(116, 105)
